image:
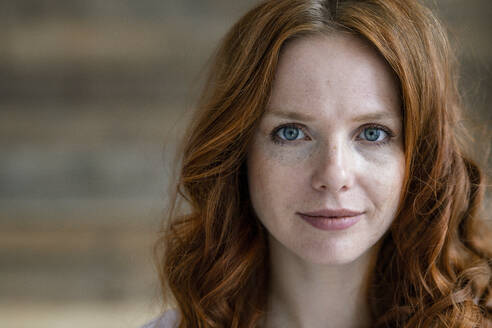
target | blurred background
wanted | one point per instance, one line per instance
(93, 97)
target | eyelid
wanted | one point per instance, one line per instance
(377, 126)
(303, 128)
(275, 138)
(390, 134)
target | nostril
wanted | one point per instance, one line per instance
(344, 188)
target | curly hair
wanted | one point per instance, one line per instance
(434, 266)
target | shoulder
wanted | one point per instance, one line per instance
(170, 319)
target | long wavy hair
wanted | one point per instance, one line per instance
(434, 265)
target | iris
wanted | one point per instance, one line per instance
(289, 133)
(372, 134)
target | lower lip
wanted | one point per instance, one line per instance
(330, 224)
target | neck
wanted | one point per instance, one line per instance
(311, 295)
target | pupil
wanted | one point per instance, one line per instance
(372, 134)
(291, 133)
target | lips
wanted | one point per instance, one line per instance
(332, 219)
(332, 213)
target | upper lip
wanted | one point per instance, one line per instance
(332, 213)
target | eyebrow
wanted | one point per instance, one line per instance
(360, 118)
(292, 115)
(376, 116)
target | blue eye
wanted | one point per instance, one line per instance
(290, 133)
(373, 134)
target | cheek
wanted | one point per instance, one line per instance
(286, 157)
(385, 182)
(383, 166)
(382, 159)
(280, 155)
(274, 177)
(267, 179)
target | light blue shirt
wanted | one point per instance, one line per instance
(170, 319)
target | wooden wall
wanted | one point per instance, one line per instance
(93, 97)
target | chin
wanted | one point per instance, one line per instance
(323, 259)
(331, 253)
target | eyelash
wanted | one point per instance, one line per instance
(389, 133)
(277, 140)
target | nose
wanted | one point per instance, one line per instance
(333, 168)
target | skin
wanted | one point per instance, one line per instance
(335, 93)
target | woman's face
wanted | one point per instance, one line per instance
(326, 164)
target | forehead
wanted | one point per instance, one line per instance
(337, 70)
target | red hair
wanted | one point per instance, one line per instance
(433, 268)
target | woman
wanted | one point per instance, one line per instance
(325, 178)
